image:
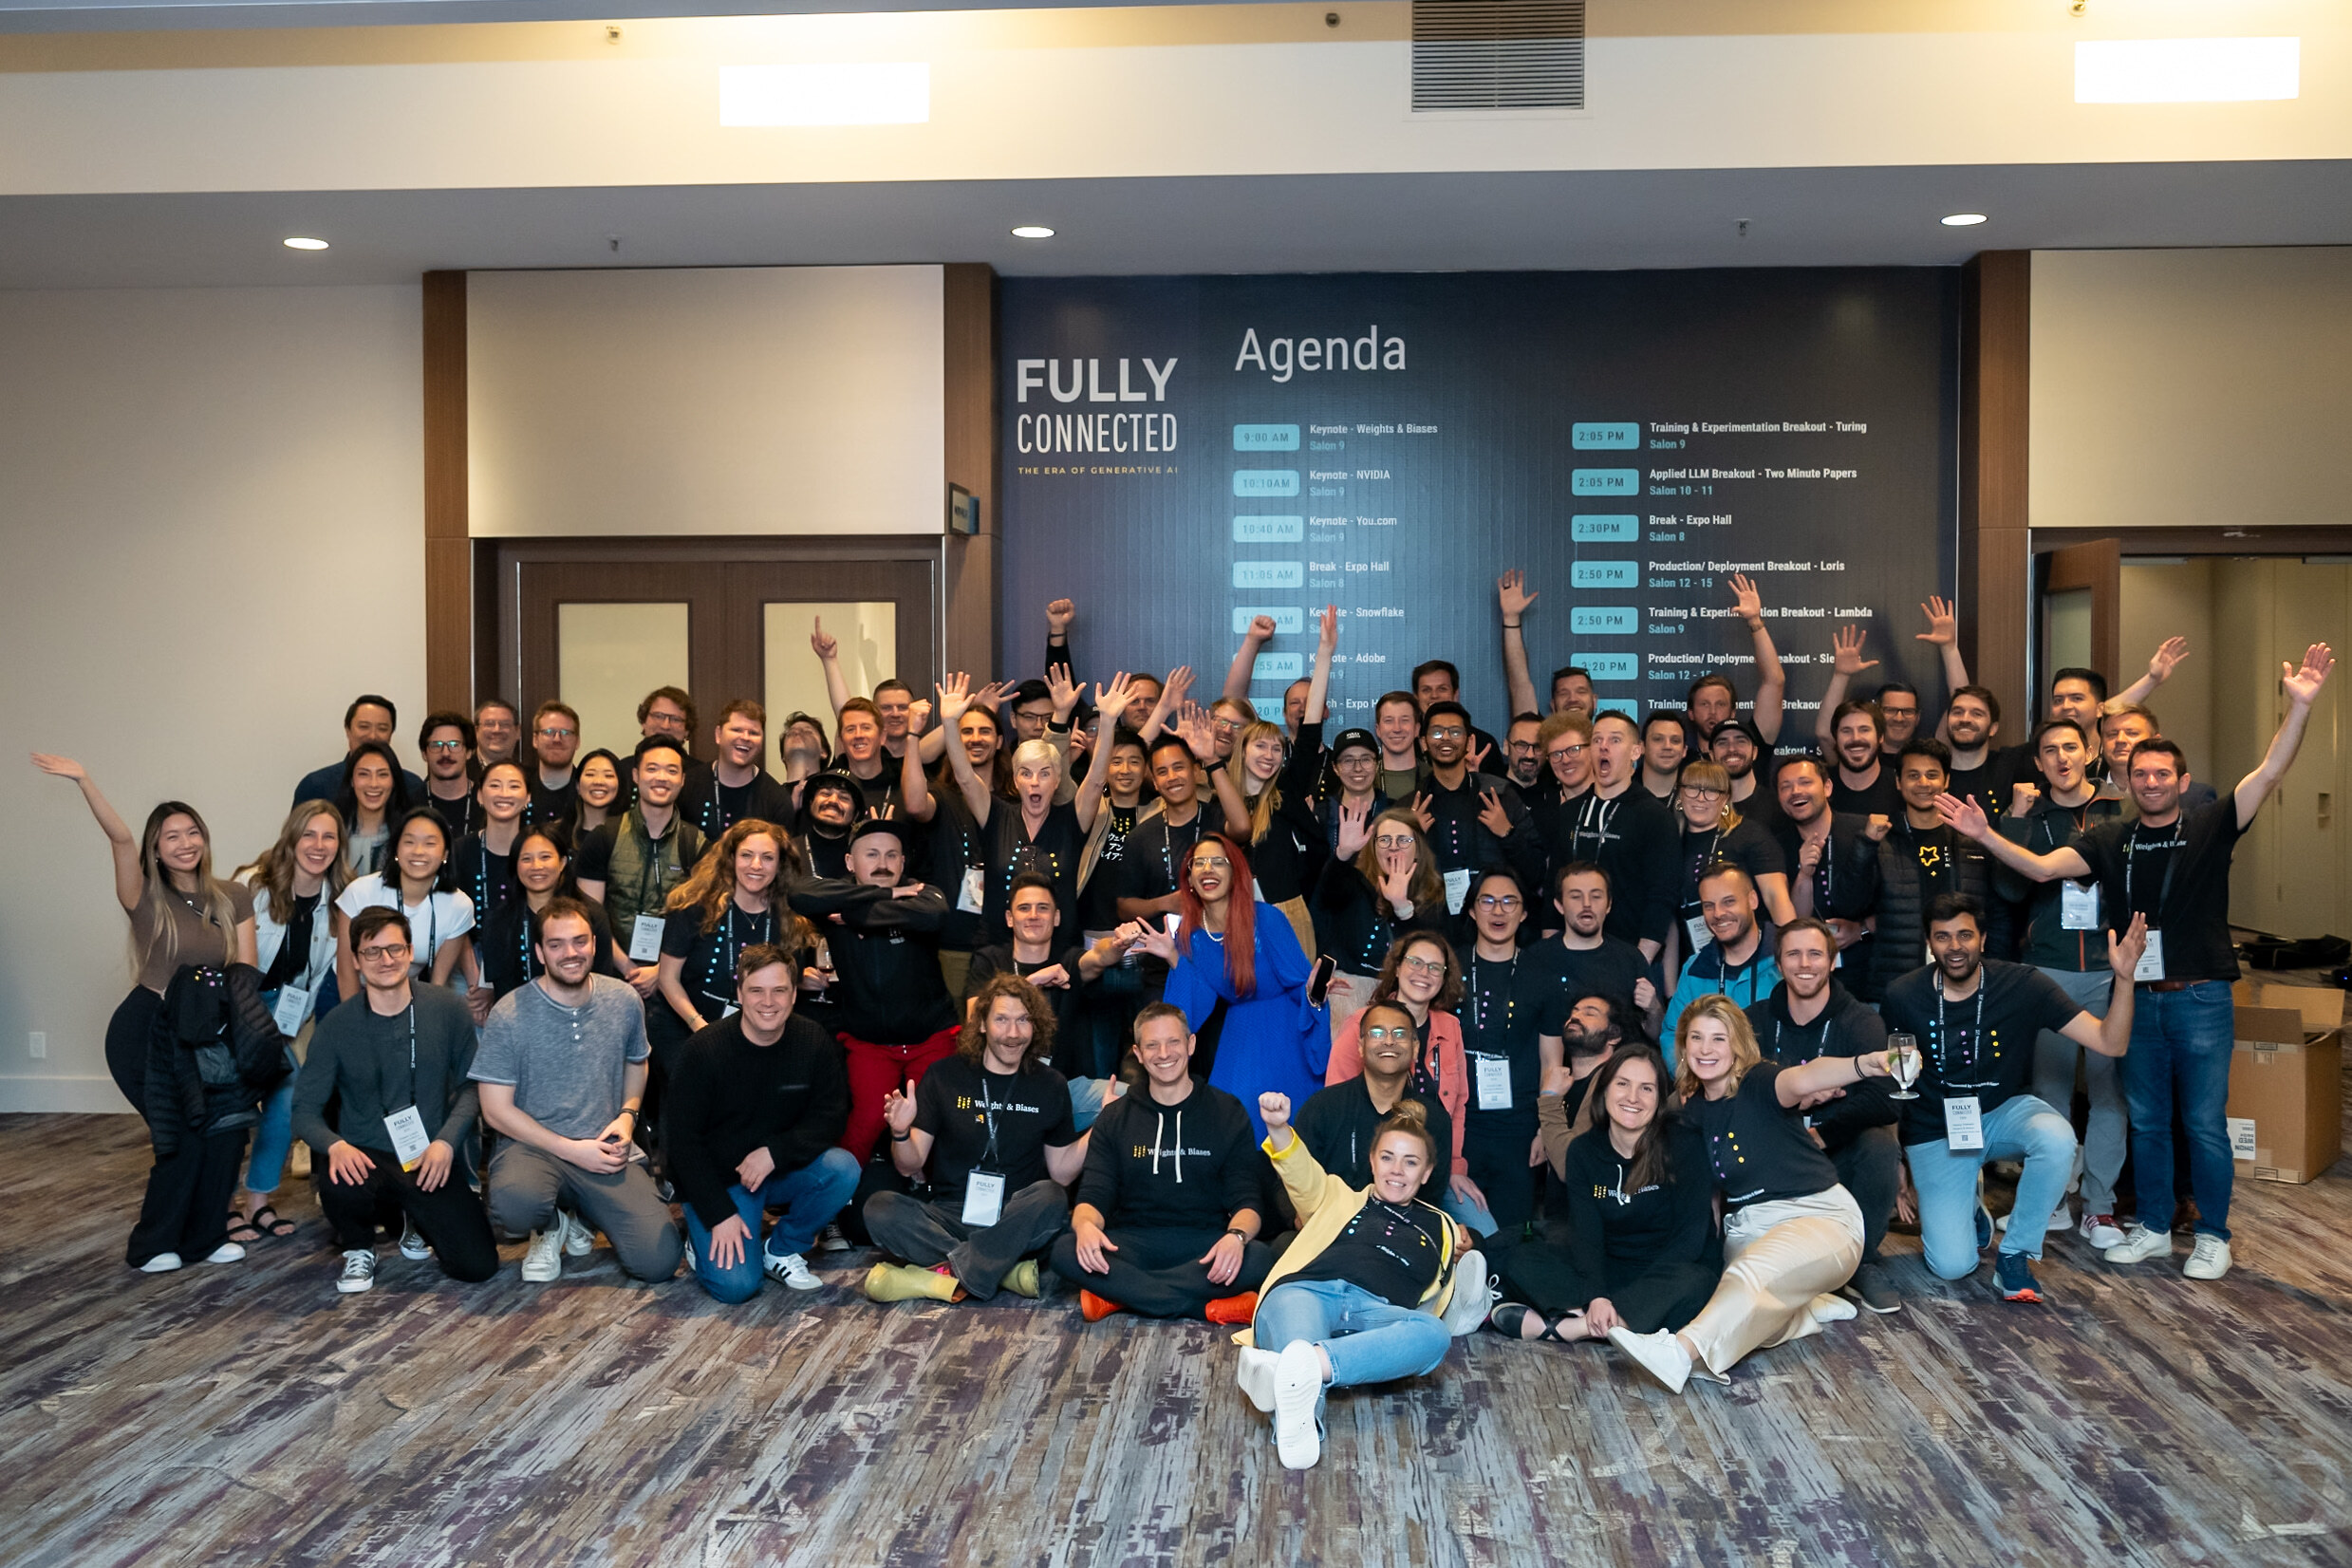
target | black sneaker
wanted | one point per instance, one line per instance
(2014, 1272)
(1869, 1286)
(1983, 1227)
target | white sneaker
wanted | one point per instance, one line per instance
(1659, 1354)
(792, 1270)
(162, 1262)
(578, 1240)
(1256, 1377)
(2101, 1230)
(2061, 1222)
(359, 1271)
(2139, 1243)
(1473, 1296)
(1830, 1309)
(2210, 1260)
(1297, 1390)
(545, 1260)
(412, 1244)
(228, 1252)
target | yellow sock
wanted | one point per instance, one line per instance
(1023, 1280)
(905, 1283)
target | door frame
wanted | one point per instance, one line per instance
(498, 582)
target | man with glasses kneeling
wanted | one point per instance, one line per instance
(399, 1063)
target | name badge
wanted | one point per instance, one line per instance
(983, 1198)
(409, 1138)
(1694, 929)
(645, 939)
(2151, 961)
(1964, 1122)
(1494, 1083)
(969, 900)
(293, 1006)
(1457, 888)
(2078, 907)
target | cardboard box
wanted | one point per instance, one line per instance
(2285, 1105)
(2322, 1006)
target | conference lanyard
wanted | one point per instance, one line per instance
(1699, 863)
(1478, 997)
(730, 946)
(1976, 1034)
(1585, 824)
(2132, 846)
(1820, 1050)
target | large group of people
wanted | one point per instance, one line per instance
(1634, 1027)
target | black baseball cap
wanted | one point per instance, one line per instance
(1350, 740)
(869, 827)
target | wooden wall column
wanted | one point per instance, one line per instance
(969, 639)
(448, 549)
(1996, 561)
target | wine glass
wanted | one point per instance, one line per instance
(1903, 1064)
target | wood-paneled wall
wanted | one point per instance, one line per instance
(969, 640)
(448, 548)
(1996, 560)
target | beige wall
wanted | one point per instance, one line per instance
(2190, 387)
(211, 516)
(709, 400)
(2174, 601)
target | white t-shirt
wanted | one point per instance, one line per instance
(443, 917)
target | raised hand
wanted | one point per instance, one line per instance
(1153, 938)
(1645, 995)
(991, 696)
(1354, 829)
(1065, 695)
(1746, 601)
(2167, 657)
(1422, 814)
(63, 767)
(918, 715)
(825, 647)
(898, 1109)
(1511, 592)
(1878, 826)
(2022, 800)
(1327, 629)
(1274, 1109)
(1397, 878)
(955, 698)
(1966, 816)
(2124, 952)
(1198, 734)
(2303, 684)
(1943, 625)
(1177, 686)
(1492, 816)
(1260, 627)
(1113, 698)
(1058, 614)
(1846, 652)
(1478, 757)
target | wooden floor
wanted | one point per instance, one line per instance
(248, 1414)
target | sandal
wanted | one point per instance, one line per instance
(268, 1219)
(241, 1230)
(1509, 1317)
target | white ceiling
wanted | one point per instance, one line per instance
(1419, 222)
(181, 15)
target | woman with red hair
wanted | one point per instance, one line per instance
(1241, 981)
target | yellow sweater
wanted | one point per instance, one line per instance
(1325, 1205)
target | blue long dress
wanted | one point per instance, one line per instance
(1271, 1041)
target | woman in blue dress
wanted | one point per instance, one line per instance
(1240, 979)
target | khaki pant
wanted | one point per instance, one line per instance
(1777, 1258)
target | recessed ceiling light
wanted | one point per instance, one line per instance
(1963, 220)
(2187, 70)
(299, 243)
(1032, 231)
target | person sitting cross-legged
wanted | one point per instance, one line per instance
(991, 1129)
(1167, 1220)
(755, 1108)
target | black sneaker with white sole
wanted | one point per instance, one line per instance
(1871, 1288)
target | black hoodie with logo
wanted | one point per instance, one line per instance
(1187, 1166)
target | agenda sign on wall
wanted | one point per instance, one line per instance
(1181, 453)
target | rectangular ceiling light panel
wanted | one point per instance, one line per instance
(891, 93)
(2187, 70)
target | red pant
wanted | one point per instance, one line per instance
(873, 1071)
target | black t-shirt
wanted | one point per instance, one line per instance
(1153, 859)
(710, 956)
(1502, 1012)
(1564, 976)
(1054, 854)
(1881, 799)
(486, 877)
(1396, 1253)
(1339, 1124)
(1989, 783)
(957, 1103)
(1098, 901)
(1845, 1027)
(715, 807)
(1980, 1045)
(2179, 876)
(997, 958)
(1748, 846)
(1760, 1148)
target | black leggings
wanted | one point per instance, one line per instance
(1659, 1297)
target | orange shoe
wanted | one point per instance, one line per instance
(1233, 1311)
(1095, 1307)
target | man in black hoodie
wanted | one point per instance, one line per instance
(753, 1114)
(1810, 1015)
(1166, 1222)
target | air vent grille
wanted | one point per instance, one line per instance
(1498, 54)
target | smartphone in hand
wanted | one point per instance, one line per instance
(1320, 982)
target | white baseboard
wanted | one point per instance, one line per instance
(91, 1096)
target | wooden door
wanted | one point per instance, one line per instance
(2078, 611)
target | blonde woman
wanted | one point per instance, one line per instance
(1712, 830)
(1792, 1235)
(1267, 797)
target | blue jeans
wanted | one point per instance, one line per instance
(809, 1197)
(1461, 1210)
(2181, 1045)
(1368, 1340)
(273, 1139)
(2020, 1129)
(1086, 1101)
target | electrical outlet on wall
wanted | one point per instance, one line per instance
(40, 1045)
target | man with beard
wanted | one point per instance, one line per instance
(1864, 784)
(1833, 862)
(1739, 747)
(830, 805)
(1340, 1123)
(1668, 742)
(1584, 960)
(1976, 1020)
(1981, 771)
(2061, 928)
(1737, 960)
(1624, 829)
(1473, 820)
(1810, 1015)
(1524, 752)
(446, 742)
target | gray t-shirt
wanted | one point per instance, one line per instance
(566, 1063)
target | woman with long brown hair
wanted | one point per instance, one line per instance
(1381, 884)
(732, 900)
(1242, 982)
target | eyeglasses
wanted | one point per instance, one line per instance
(1394, 841)
(557, 735)
(1702, 792)
(383, 951)
(1448, 733)
(1561, 754)
(1211, 863)
(1522, 748)
(444, 745)
(1488, 901)
(1426, 966)
(1228, 726)
(1382, 1032)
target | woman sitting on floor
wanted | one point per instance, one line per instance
(1362, 1295)
(1640, 1248)
(1792, 1233)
